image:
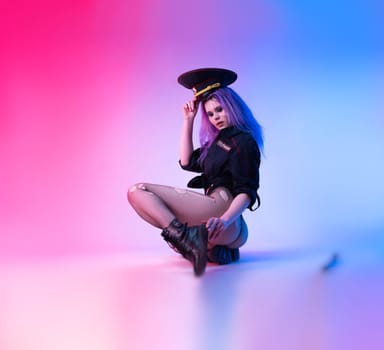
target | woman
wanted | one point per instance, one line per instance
(208, 226)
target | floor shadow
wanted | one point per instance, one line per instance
(252, 257)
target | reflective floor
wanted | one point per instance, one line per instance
(268, 300)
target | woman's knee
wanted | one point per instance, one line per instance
(134, 192)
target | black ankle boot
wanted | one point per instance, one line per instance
(223, 255)
(190, 242)
(173, 235)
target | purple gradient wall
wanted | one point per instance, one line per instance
(90, 105)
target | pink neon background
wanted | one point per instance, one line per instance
(90, 105)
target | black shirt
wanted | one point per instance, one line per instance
(232, 161)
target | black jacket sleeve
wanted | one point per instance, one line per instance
(193, 164)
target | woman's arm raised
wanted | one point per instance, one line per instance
(186, 142)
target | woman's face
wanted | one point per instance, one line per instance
(216, 114)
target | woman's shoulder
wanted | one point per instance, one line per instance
(233, 131)
(244, 142)
(242, 136)
(236, 136)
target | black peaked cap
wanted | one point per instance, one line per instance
(205, 80)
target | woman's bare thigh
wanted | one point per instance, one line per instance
(190, 206)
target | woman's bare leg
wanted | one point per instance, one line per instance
(159, 205)
(149, 206)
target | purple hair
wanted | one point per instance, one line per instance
(239, 116)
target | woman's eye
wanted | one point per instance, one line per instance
(219, 109)
(210, 114)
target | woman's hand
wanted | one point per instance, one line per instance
(190, 109)
(215, 226)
